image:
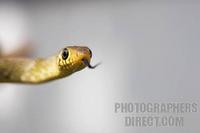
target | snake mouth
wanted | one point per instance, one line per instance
(87, 63)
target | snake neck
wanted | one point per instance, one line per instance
(41, 70)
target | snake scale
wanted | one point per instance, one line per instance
(34, 71)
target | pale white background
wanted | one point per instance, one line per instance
(149, 52)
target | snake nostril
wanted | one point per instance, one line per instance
(90, 53)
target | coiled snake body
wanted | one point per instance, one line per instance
(24, 70)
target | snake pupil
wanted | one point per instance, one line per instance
(65, 54)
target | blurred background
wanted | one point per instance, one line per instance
(149, 52)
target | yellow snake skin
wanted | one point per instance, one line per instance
(24, 70)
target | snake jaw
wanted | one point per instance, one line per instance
(87, 63)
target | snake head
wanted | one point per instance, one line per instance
(74, 58)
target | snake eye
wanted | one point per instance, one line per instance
(90, 53)
(65, 54)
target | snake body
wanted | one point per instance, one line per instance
(25, 70)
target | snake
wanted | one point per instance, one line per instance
(26, 70)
